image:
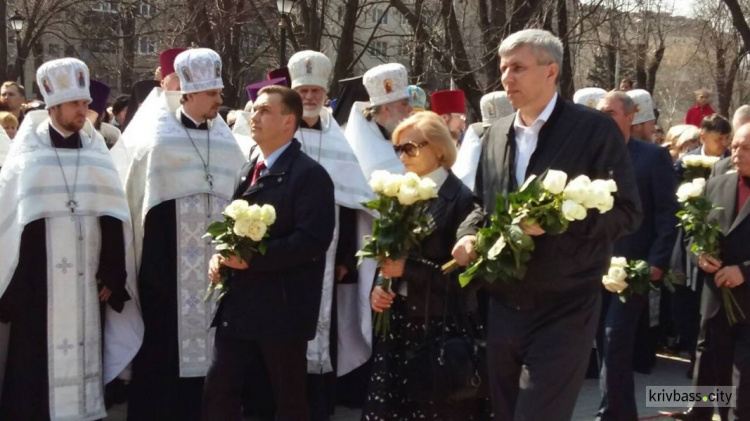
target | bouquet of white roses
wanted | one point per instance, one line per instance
(697, 166)
(627, 278)
(402, 224)
(550, 201)
(704, 234)
(240, 234)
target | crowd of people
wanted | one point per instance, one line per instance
(105, 263)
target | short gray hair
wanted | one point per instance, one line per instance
(628, 105)
(741, 116)
(546, 47)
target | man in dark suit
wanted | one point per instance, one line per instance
(729, 346)
(653, 243)
(541, 327)
(271, 308)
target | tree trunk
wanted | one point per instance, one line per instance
(567, 87)
(738, 19)
(653, 67)
(344, 64)
(127, 25)
(4, 41)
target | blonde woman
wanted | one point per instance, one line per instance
(9, 123)
(425, 147)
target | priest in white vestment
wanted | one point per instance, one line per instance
(179, 180)
(65, 284)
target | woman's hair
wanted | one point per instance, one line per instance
(432, 128)
(8, 118)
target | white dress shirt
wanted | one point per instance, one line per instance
(527, 138)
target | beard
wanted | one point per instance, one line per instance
(211, 114)
(309, 112)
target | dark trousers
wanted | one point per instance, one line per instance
(723, 359)
(616, 339)
(537, 358)
(286, 362)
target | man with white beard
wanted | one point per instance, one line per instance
(323, 140)
(371, 124)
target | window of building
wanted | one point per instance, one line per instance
(53, 50)
(379, 49)
(145, 45)
(104, 6)
(376, 13)
(146, 10)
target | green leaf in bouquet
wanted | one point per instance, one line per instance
(217, 228)
(262, 248)
(466, 277)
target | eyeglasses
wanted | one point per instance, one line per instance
(410, 148)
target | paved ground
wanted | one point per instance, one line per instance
(668, 372)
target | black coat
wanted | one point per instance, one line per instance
(734, 250)
(576, 140)
(278, 296)
(454, 203)
(654, 240)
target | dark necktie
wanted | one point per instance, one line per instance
(260, 166)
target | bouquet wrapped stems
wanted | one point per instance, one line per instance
(383, 320)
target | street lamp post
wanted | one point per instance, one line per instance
(17, 22)
(285, 8)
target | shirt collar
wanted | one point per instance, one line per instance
(60, 132)
(438, 176)
(271, 159)
(181, 111)
(542, 118)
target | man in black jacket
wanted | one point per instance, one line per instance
(652, 242)
(270, 311)
(541, 327)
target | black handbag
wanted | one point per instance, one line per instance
(447, 366)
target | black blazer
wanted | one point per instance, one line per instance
(422, 271)
(576, 140)
(654, 240)
(278, 296)
(722, 191)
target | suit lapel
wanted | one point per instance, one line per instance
(727, 199)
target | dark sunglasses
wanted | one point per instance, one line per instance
(410, 149)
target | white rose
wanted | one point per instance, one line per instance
(709, 161)
(573, 211)
(612, 186)
(408, 195)
(496, 248)
(257, 230)
(598, 196)
(606, 205)
(411, 179)
(555, 181)
(253, 213)
(684, 191)
(699, 184)
(427, 189)
(392, 185)
(617, 273)
(378, 180)
(242, 227)
(267, 214)
(619, 262)
(577, 189)
(614, 285)
(691, 161)
(236, 208)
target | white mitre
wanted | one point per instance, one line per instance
(310, 68)
(386, 83)
(63, 80)
(199, 69)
